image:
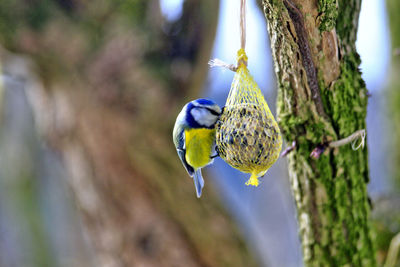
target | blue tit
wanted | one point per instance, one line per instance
(194, 137)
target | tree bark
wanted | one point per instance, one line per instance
(321, 98)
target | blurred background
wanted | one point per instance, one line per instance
(89, 93)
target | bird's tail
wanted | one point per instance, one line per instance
(198, 182)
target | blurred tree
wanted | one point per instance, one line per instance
(116, 75)
(393, 8)
(387, 214)
(322, 98)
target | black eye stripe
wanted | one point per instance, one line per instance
(213, 112)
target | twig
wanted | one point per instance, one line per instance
(352, 138)
(288, 149)
(393, 252)
(316, 153)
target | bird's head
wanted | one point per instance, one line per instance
(201, 113)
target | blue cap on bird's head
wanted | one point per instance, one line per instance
(204, 102)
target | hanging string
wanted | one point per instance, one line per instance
(216, 62)
(242, 58)
(243, 24)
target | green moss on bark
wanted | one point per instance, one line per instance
(328, 12)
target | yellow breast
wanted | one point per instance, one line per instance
(199, 143)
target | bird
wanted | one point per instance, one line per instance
(194, 137)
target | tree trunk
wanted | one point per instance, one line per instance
(321, 98)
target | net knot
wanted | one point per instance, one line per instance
(241, 57)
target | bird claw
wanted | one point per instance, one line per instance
(216, 153)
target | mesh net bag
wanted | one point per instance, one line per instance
(247, 135)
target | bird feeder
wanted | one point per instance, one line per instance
(247, 136)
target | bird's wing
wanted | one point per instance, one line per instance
(180, 148)
(182, 156)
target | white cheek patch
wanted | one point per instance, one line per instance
(203, 117)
